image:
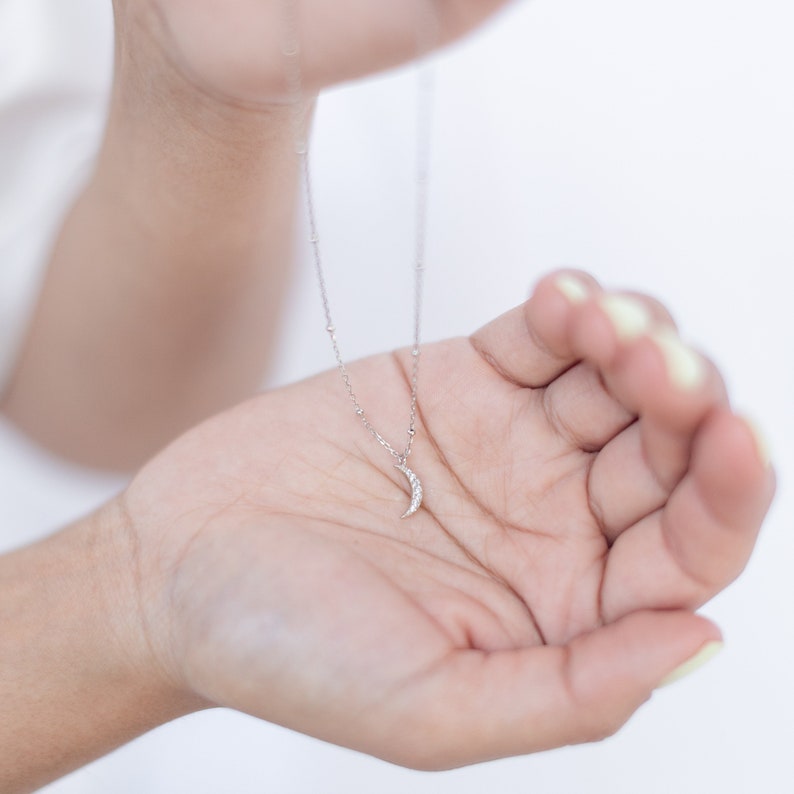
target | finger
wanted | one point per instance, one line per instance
(457, 17)
(666, 382)
(604, 327)
(385, 34)
(530, 345)
(634, 473)
(648, 370)
(579, 402)
(685, 553)
(581, 409)
(660, 314)
(484, 706)
(622, 486)
(241, 47)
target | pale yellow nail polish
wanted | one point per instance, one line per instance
(685, 367)
(761, 444)
(574, 289)
(702, 657)
(628, 316)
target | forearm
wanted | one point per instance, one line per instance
(164, 290)
(76, 678)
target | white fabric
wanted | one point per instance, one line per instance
(648, 142)
(54, 72)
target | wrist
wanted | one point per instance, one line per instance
(177, 149)
(155, 86)
(137, 621)
(230, 54)
(79, 674)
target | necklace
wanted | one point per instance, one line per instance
(291, 52)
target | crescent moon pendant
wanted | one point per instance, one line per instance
(416, 490)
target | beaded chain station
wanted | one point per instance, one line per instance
(425, 94)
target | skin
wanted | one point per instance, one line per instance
(579, 505)
(540, 595)
(180, 246)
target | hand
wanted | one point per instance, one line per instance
(234, 50)
(586, 488)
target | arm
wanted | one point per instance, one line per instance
(164, 289)
(75, 675)
(163, 294)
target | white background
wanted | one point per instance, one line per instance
(648, 142)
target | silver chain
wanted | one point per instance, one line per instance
(425, 93)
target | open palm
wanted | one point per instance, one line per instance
(586, 488)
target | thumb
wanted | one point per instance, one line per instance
(483, 705)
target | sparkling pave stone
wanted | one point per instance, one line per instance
(416, 490)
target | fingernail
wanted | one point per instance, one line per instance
(628, 316)
(761, 444)
(574, 289)
(685, 367)
(702, 657)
